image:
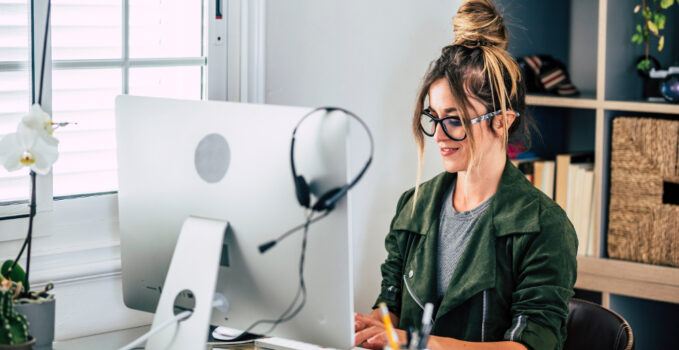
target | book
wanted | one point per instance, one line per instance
(572, 187)
(590, 227)
(584, 207)
(563, 162)
(547, 187)
(537, 173)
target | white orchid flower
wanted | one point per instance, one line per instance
(32, 145)
(38, 120)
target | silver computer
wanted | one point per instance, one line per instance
(231, 161)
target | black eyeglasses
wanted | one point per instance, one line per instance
(452, 125)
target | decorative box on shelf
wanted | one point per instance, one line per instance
(643, 220)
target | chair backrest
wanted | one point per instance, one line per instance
(591, 326)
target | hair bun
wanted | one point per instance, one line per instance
(478, 23)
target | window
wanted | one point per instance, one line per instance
(15, 88)
(99, 49)
(153, 48)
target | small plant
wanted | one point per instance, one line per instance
(13, 325)
(653, 22)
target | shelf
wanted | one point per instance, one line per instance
(584, 100)
(628, 278)
(588, 101)
(643, 107)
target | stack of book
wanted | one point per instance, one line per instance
(570, 182)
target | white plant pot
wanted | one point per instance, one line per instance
(40, 317)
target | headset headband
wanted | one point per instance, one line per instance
(343, 190)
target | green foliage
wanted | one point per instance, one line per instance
(13, 325)
(637, 38)
(666, 3)
(653, 22)
(659, 19)
(644, 64)
(17, 275)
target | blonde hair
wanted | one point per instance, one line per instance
(476, 66)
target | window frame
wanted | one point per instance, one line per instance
(227, 71)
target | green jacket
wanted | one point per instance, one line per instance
(513, 281)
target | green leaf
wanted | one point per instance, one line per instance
(638, 28)
(660, 20)
(652, 27)
(666, 3)
(17, 275)
(638, 38)
(647, 12)
(661, 43)
(644, 64)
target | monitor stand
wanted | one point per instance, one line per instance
(193, 270)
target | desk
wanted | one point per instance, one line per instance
(117, 339)
(104, 341)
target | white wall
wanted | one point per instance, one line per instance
(369, 57)
(366, 56)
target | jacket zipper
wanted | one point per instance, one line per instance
(483, 317)
(412, 295)
(485, 312)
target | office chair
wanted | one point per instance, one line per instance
(591, 326)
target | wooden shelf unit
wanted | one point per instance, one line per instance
(592, 39)
(610, 88)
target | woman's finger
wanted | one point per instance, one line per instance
(368, 320)
(358, 324)
(378, 341)
(366, 334)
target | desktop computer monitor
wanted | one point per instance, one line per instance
(231, 162)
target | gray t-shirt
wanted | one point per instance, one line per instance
(455, 229)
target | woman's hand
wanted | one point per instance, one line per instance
(360, 323)
(370, 331)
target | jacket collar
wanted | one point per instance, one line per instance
(515, 206)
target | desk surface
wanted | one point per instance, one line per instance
(110, 340)
(117, 339)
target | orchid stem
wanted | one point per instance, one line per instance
(44, 52)
(29, 236)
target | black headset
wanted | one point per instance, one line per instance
(327, 200)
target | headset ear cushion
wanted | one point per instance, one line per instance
(321, 205)
(302, 191)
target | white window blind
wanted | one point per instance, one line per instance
(105, 48)
(100, 49)
(14, 88)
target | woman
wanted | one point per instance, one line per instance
(494, 255)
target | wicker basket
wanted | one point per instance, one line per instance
(641, 227)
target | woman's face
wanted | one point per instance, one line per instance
(457, 154)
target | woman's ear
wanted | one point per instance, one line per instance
(499, 120)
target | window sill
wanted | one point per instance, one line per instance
(78, 239)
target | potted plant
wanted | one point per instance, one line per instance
(652, 22)
(32, 145)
